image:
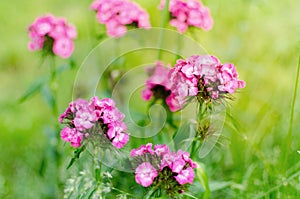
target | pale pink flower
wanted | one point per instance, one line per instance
(185, 13)
(117, 14)
(145, 173)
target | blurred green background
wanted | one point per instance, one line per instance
(262, 39)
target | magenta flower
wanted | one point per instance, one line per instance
(142, 150)
(145, 174)
(116, 14)
(63, 47)
(94, 118)
(161, 150)
(185, 176)
(158, 84)
(185, 13)
(163, 168)
(203, 76)
(52, 35)
(71, 135)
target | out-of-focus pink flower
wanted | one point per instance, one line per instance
(56, 32)
(116, 14)
(63, 47)
(159, 85)
(187, 13)
(82, 116)
(145, 174)
(202, 75)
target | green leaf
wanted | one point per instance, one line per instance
(33, 89)
(48, 96)
(189, 195)
(64, 67)
(218, 185)
(184, 136)
(203, 179)
(76, 156)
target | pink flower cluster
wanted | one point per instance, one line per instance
(116, 14)
(52, 34)
(81, 116)
(202, 75)
(158, 83)
(187, 13)
(179, 164)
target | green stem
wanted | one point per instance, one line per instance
(179, 47)
(193, 149)
(53, 85)
(289, 138)
(165, 18)
(98, 171)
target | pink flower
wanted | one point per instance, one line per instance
(158, 84)
(161, 150)
(85, 119)
(55, 32)
(71, 135)
(120, 140)
(145, 174)
(187, 13)
(115, 129)
(229, 78)
(63, 47)
(185, 176)
(83, 116)
(116, 14)
(201, 75)
(174, 169)
(142, 150)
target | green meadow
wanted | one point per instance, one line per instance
(258, 153)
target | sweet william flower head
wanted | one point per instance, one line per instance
(52, 35)
(203, 76)
(186, 13)
(145, 173)
(185, 176)
(144, 149)
(158, 85)
(118, 14)
(163, 169)
(93, 120)
(71, 135)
